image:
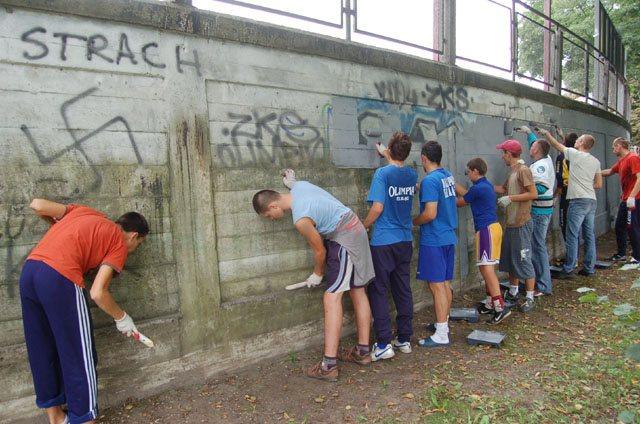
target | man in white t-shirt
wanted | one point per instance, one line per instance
(585, 177)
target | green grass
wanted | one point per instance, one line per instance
(583, 378)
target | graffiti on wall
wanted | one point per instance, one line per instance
(421, 123)
(20, 221)
(438, 96)
(269, 139)
(96, 47)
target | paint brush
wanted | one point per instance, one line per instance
(143, 339)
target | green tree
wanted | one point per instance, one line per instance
(579, 17)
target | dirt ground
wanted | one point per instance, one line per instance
(564, 362)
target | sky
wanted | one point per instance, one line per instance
(482, 26)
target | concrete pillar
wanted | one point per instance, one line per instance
(547, 49)
(557, 62)
(347, 12)
(192, 209)
(449, 32)
(601, 88)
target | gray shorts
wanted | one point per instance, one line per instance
(515, 254)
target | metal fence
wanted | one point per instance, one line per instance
(569, 65)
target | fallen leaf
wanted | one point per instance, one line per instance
(588, 298)
(348, 407)
(408, 396)
(319, 399)
(128, 407)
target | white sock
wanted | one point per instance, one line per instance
(513, 290)
(442, 332)
(529, 294)
(488, 302)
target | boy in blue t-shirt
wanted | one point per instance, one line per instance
(438, 221)
(391, 197)
(481, 197)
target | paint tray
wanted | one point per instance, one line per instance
(464, 314)
(555, 269)
(480, 337)
(603, 264)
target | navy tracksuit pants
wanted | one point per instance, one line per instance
(391, 263)
(622, 230)
(59, 336)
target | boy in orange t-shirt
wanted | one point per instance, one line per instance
(55, 313)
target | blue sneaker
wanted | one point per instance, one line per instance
(429, 342)
(379, 353)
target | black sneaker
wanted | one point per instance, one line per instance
(617, 258)
(498, 317)
(526, 305)
(563, 275)
(510, 299)
(586, 273)
(484, 310)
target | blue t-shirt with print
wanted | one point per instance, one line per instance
(482, 199)
(394, 187)
(439, 186)
(308, 200)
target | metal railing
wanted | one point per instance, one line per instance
(600, 83)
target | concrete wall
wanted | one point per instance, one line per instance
(182, 115)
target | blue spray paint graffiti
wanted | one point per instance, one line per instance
(422, 123)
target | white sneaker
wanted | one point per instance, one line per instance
(382, 353)
(402, 347)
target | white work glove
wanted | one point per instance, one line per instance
(288, 177)
(313, 280)
(631, 203)
(504, 201)
(125, 325)
(381, 148)
(525, 129)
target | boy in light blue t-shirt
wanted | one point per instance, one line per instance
(391, 198)
(438, 222)
(339, 243)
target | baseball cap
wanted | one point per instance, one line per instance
(511, 145)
